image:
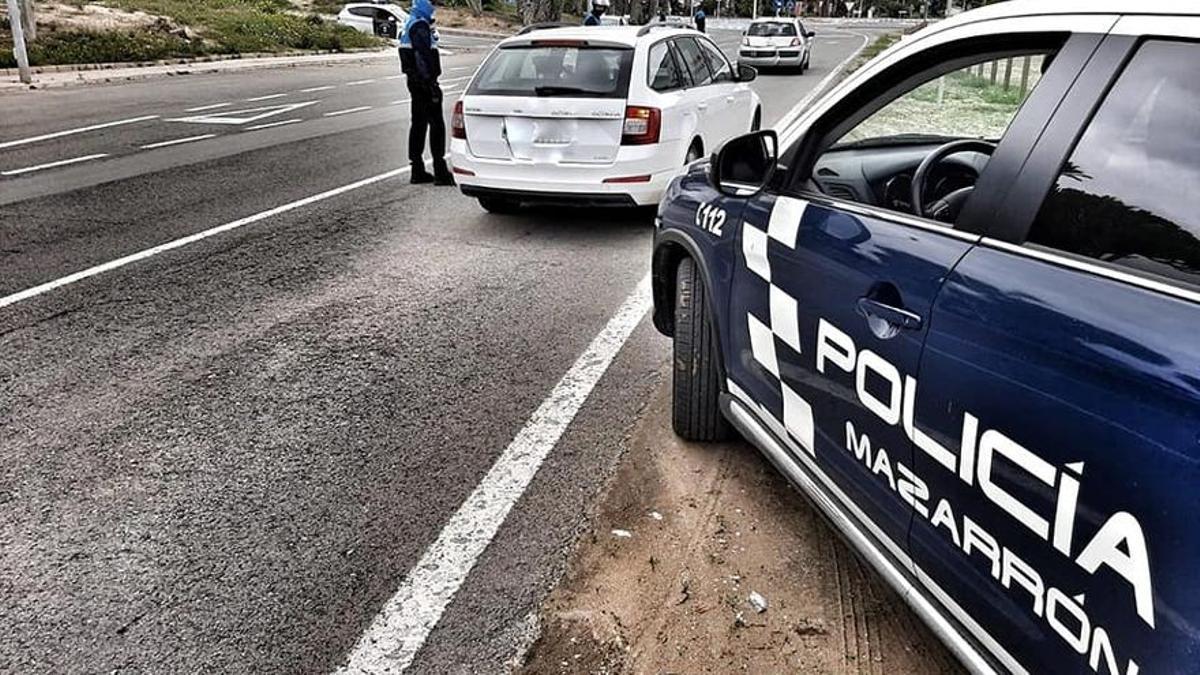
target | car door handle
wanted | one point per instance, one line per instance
(900, 318)
(701, 107)
(730, 99)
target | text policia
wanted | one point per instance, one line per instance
(1119, 544)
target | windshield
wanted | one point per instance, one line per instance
(573, 71)
(772, 29)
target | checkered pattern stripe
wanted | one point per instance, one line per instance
(778, 331)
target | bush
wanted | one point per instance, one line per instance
(59, 47)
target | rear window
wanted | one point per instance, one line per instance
(555, 70)
(772, 29)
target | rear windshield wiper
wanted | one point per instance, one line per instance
(558, 90)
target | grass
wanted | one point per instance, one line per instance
(191, 28)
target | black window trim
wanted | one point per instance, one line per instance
(687, 71)
(670, 44)
(732, 71)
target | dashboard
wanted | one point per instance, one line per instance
(882, 176)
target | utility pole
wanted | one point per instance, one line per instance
(18, 32)
(29, 20)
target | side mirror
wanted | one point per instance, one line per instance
(744, 165)
(810, 34)
(746, 73)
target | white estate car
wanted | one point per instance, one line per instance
(781, 42)
(375, 18)
(595, 116)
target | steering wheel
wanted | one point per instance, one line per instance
(945, 209)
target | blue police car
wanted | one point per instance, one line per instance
(957, 302)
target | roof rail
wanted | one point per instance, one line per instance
(661, 24)
(543, 26)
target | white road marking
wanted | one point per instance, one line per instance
(400, 101)
(398, 632)
(312, 89)
(273, 124)
(51, 165)
(347, 111)
(359, 82)
(177, 141)
(244, 116)
(268, 97)
(452, 70)
(192, 238)
(80, 130)
(393, 77)
(208, 107)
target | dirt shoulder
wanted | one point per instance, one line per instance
(684, 536)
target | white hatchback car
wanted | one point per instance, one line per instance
(375, 18)
(776, 43)
(597, 116)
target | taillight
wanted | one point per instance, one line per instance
(642, 126)
(458, 125)
(795, 42)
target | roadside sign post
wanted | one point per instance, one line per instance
(28, 20)
(18, 33)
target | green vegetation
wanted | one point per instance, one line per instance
(190, 28)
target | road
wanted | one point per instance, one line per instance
(228, 453)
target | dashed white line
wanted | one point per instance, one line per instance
(51, 165)
(80, 130)
(397, 633)
(214, 106)
(312, 89)
(177, 141)
(192, 238)
(393, 77)
(359, 82)
(347, 111)
(400, 101)
(268, 125)
(268, 97)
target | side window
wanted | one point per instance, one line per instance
(694, 61)
(874, 160)
(363, 11)
(1130, 193)
(663, 72)
(717, 63)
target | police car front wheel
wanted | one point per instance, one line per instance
(696, 377)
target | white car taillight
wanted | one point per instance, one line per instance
(642, 126)
(458, 125)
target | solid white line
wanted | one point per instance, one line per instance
(347, 111)
(358, 82)
(177, 141)
(268, 125)
(397, 633)
(193, 238)
(312, 89)
(51, 165)
(400, 101)
(268, 97)
(80, 130)
(393, 77)
(208, 107)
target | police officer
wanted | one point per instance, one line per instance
(599, 7)
(420, 62)
(698, 17)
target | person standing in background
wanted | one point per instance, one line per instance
(698, 17)
(421, 64)
(599, 7)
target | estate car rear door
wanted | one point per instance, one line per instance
(1062, 374)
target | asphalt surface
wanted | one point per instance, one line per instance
(226, 457)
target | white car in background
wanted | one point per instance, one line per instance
(374, 18)
(776, 43)
(596, 116)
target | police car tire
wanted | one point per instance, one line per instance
(499, 205)
(696, 378)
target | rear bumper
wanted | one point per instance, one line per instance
(567, 184)
(569, 199)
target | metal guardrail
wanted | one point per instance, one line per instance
(661, 24)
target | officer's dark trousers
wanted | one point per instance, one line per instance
(426, 117)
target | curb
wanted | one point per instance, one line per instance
(216, 58)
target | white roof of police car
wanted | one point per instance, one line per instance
(623, 35)
(1034, 8)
